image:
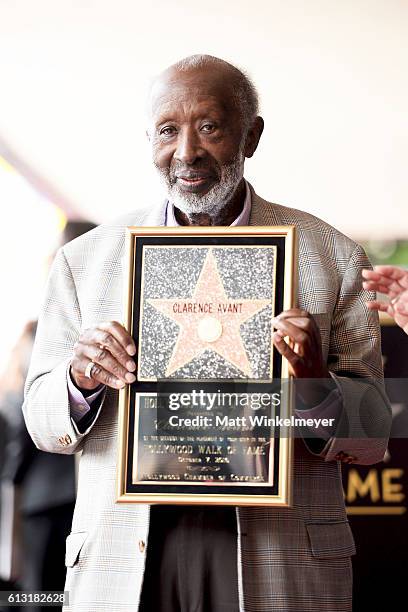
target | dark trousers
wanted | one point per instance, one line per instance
(44, 536)
(191, 563)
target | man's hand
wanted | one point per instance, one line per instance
(109, 346)
(303, 352)
(393, 282)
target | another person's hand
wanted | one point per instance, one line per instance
(393, 282)
(110, 348)
(303, 352)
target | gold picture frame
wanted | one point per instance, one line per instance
(254, 270)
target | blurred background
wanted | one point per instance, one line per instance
(73, 77)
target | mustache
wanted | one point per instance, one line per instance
(199, 169)
(195, 172)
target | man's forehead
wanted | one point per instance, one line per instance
(187, 104)
(200, 86)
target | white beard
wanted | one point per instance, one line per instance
(215, 199)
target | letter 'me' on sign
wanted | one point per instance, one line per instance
(378, 485)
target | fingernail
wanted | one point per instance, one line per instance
(131, 366)
(131, 350)
(130, 377)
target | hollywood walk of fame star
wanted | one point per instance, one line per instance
(218, 330)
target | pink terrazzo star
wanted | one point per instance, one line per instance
(209, 320)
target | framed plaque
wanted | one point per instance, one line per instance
(204, 421)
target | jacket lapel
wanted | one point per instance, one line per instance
(263, 212)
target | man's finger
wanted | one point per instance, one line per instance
(104, 358)
(98, 374)
(302, 322)
(371, 275)
(389, 276)
(386, 290)
(297, 334)
(376, 305)
(393, 272)
(372, 285)
(105, 340)
(285, 350)
(374, 273)
(396, 281)
(122, 336)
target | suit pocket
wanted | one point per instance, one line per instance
(329, 540)
(74, 544)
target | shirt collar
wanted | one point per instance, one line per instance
(242, 219)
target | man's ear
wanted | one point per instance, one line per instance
(253, 136)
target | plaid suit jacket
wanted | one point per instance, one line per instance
(295, 559)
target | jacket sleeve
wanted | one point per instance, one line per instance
(355, 364)
(46, 406)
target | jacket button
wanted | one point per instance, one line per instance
(67, 439)
(142, 546)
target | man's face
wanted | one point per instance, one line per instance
(197, 138)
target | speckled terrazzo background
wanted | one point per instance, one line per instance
(172, 272)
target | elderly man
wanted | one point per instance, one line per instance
(204, 123)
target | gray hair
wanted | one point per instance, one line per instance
(245, 93)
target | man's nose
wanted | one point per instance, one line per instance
(188, 147)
